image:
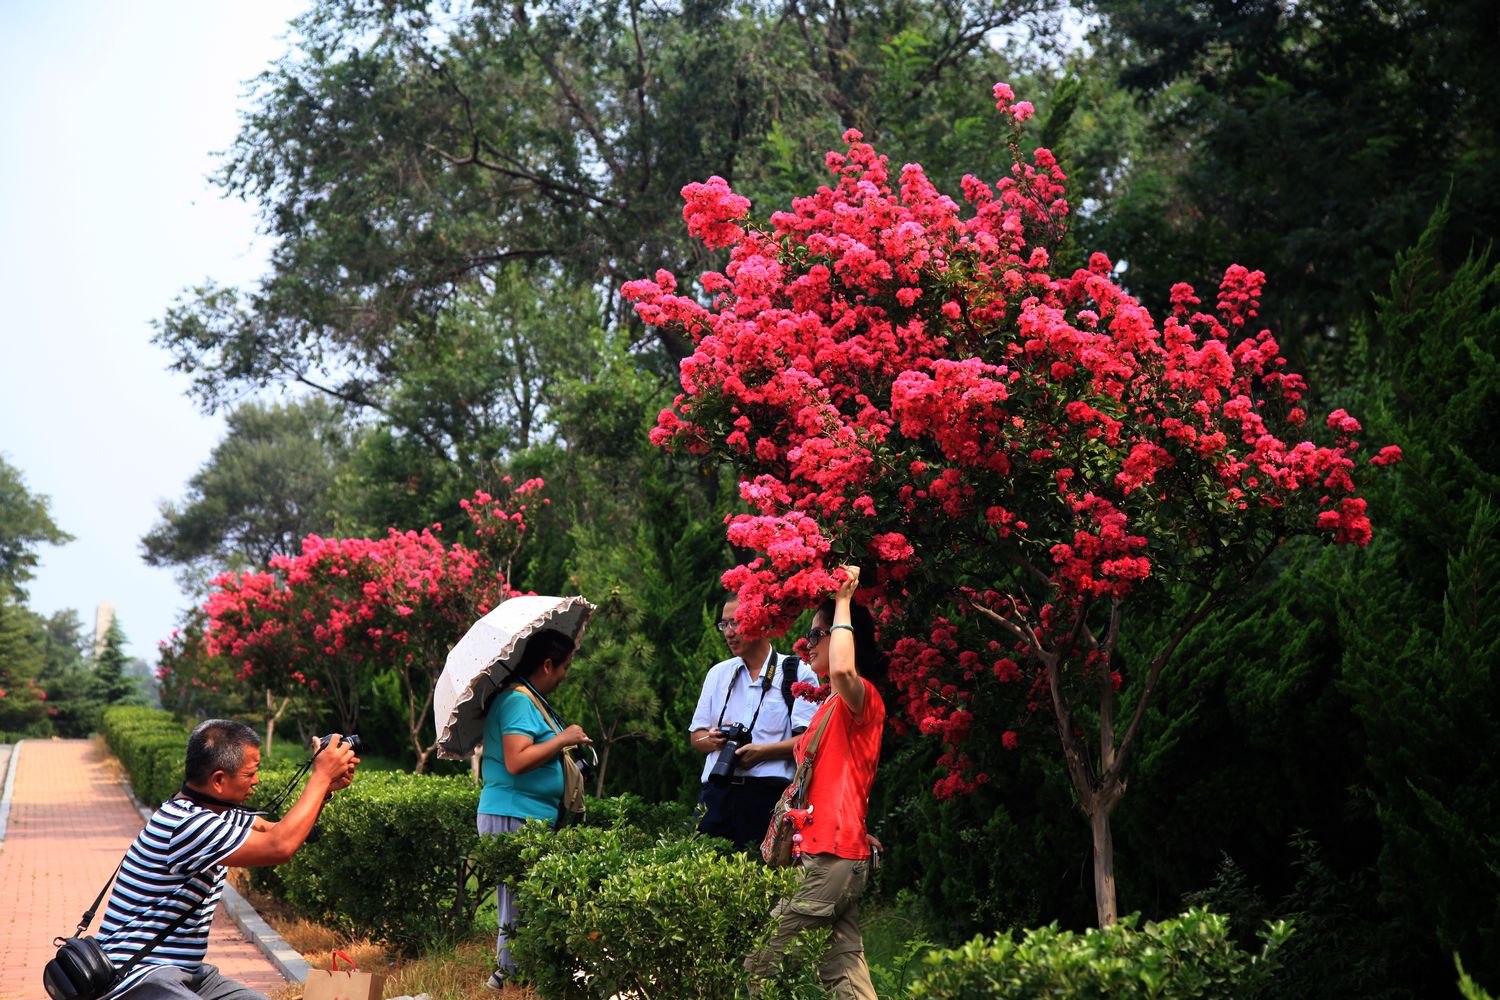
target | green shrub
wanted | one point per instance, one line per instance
(680, 927)
(1187, 956)
(509, 857)
(1469, 989)
(38, 730)
(671, 920)
(151, 745)
(392, 861)
(654, 819)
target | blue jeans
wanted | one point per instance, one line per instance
(505, 904)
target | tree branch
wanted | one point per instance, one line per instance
(1207, 606)
(518, 14)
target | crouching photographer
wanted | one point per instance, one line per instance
(155, 928)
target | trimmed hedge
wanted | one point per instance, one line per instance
(620, 909)
(152, 747)
(392, 861)
(1187, 956)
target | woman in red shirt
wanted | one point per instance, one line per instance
(836, 847)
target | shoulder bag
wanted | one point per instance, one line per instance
(782, 844)
(81, 970)
(572, 808)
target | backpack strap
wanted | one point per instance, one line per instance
(789, 665)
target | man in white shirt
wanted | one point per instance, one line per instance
(752, 689)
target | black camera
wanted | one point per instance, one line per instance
(320, 743)
(735, 736)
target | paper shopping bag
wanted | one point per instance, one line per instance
(343, 984)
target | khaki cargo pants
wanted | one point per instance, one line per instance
(828, 897)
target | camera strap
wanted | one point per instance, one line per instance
(765, 685)
(206, 800)
(145, 949)
(551, 718)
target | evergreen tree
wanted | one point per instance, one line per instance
(23, 707)
(113, 682)
(1422, 619)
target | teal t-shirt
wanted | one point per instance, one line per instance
(533, 795)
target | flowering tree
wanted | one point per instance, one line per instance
(1022, 453)
(325, 617)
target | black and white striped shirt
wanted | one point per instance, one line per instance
(157, 883)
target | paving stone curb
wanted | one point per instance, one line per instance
(9, 785)
(288, 961)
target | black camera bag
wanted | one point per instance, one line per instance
(81, 970)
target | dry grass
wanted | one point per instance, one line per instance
(458, 974)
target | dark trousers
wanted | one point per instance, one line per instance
(740, 809)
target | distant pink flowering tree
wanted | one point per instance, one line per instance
(1021, 452)
(342, 607)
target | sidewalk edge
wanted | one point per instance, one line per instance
(10, 784)
(287, 960)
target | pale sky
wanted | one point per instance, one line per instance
(109, 121)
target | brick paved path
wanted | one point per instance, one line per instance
(70, 823)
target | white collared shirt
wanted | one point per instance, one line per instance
(729, 681)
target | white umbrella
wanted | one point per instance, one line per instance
(482, 660)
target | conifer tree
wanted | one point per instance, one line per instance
(112, 681)
(23, 709)
(1422, 617)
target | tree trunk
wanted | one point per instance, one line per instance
(273, 716)
(603, 765)
(1104, 858)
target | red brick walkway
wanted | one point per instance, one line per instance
(70, 823)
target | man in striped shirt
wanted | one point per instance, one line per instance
(176, 865)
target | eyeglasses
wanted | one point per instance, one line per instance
(724, 625)
(815, 636)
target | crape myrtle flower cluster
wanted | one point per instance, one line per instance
(358, 603)
(918, 384)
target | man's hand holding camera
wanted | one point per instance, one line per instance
(336, 762)
(753, 753)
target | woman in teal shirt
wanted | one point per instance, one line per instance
(521, 767)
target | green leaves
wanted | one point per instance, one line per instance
(1187, 956)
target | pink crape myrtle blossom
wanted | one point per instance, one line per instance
(322, 617)
(1015, 448)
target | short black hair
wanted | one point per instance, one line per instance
(543, 645)
(217, 745)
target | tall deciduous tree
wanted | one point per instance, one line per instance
(403, 153)
(343, 609)
(23, 707)
(25, 523)
(265, 486)
(1313, 137)
(1023, 455)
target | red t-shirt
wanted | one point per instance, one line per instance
(842, 775)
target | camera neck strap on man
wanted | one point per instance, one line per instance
(765, 685)
(208, 801)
